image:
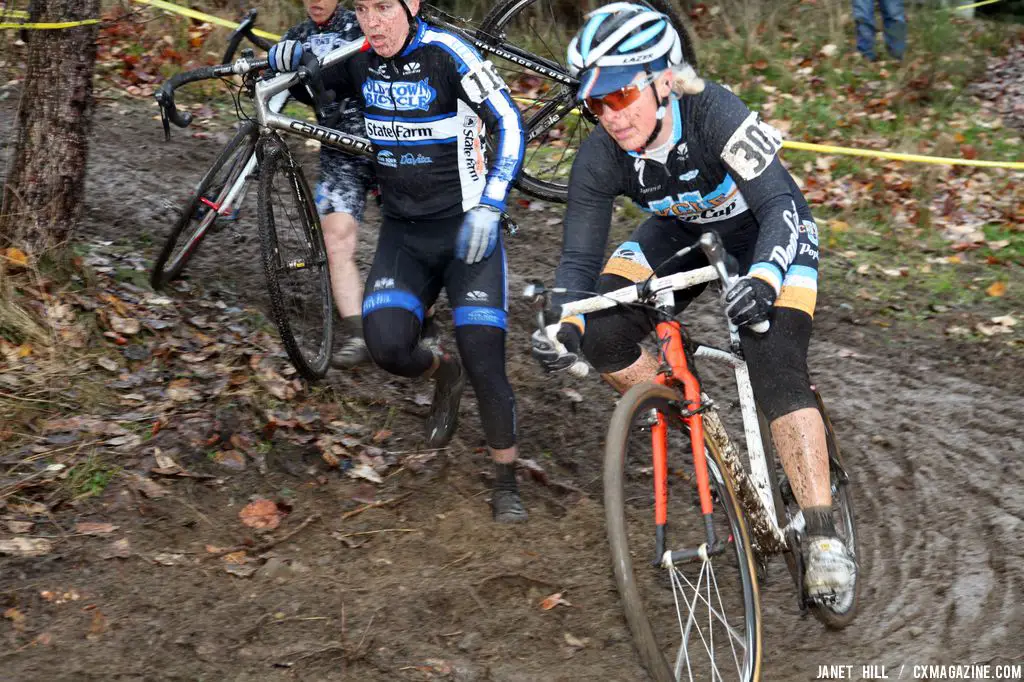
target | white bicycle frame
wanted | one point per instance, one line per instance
(270, 98)
(754, 490)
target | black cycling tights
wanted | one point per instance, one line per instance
(777, 360)
(392, 337)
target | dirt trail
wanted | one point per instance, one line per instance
(445, 594)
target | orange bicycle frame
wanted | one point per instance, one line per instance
(676, 373)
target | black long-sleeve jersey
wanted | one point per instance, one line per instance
(426, 110)
(338, 31)
(721, 173)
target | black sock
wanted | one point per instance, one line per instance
(505, 477)
(819, 521)
(352, 326)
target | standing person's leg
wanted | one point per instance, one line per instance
(479, 298)
(340, 200)
(406, 276)
(894, 24)
(399, 287)
(864, 18)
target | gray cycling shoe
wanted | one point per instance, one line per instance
(353, 352)
(829, 570)
(507, 507)
(449, 383)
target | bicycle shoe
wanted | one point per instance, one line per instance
(353, 352)
(830, 570)
(507, 507)
(449, 382)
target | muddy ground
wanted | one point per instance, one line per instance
(931, 433)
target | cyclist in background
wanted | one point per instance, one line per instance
(694, 157)
(427, 96)
(344, 179)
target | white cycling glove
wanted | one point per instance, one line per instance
(478, 235)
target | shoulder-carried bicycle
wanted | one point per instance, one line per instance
(527, 40)
(540, 84)
(691, 597)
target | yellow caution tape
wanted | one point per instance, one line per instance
(201, 16)
(14, 13)
(58, 25)
(977, 4)
(896, 156)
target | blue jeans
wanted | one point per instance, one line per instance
(894, 23)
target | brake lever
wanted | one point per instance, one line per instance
(166, 122)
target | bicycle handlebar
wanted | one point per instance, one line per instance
(165, 95)
(646, 290)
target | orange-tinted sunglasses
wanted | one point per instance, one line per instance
(620, 99)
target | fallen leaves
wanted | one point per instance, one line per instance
(94, 528)
(26, 547)
(17, 619)
(996, 289)
(261, 514)
(126, 326)
(119, 549)
(554, 600)
(16, 258)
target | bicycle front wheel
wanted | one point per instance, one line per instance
(697, 620)
(536, 35)
(206, 206)
(295, 261)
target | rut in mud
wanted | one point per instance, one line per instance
(934, 457)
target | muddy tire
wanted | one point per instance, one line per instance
(295, 261)
(555, 123)
(649, 613)
(197, 217)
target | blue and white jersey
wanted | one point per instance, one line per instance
(428, 111)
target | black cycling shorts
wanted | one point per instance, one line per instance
(777, 360)
(415, 260)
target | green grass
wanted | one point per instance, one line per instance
(90, 477)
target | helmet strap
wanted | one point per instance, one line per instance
(659, 115)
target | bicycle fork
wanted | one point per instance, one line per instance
(672, 347)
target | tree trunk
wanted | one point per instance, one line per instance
(43, 194)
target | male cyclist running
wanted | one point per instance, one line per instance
(695, 161)
(426, 96)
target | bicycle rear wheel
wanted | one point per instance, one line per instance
(838, 615)
(295, 261)
(699, 619)
(202, 209)
(555, 123)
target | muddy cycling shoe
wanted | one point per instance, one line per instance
(449, 382)
(829, 569)
(353, 352)
(507, 507)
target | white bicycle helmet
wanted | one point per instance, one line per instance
(616, 42)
